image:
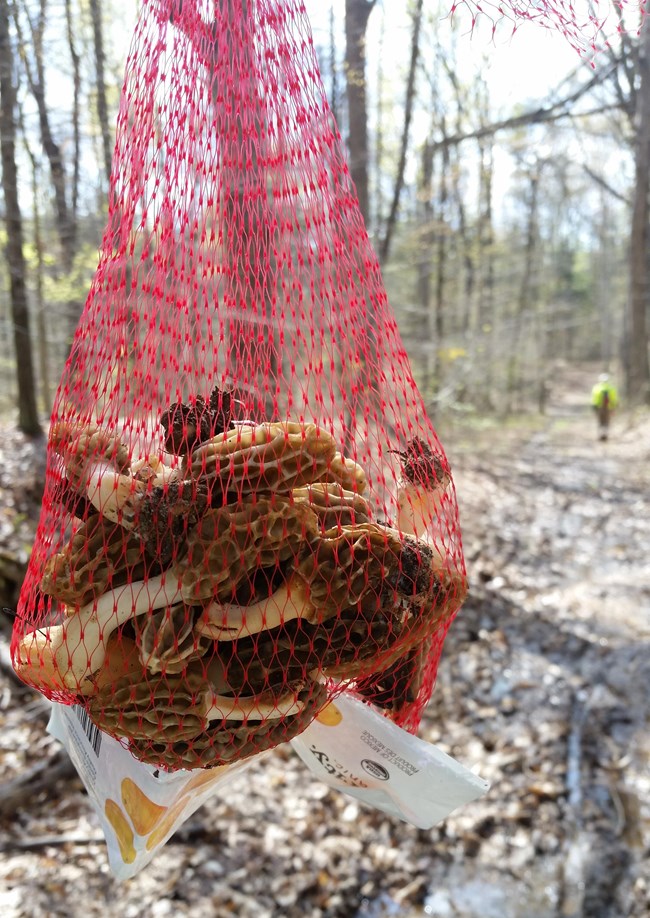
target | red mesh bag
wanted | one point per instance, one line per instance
(246, 509)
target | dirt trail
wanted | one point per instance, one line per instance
(555, 642)
(542, 688)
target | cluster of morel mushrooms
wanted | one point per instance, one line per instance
(214, 594)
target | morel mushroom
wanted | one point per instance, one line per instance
(147, 496)
(187, 425)
(346, 568)
(230, 543)
(166, 513)
(227, 621)
(274, 457)
(65, 657)
(333, 504)
(184, 722)
(346, 472)
(167, 639)
(83, 446)
(97, 467)
(100, 554)
(349, 562)
(425, 477)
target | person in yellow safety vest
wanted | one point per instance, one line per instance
(604, 398)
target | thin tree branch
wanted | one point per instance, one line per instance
(540, 115)
(65, 223)
(76, 84)
(599, 180)
(384, 247)
(102, 106)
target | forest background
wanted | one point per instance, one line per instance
(501, 164)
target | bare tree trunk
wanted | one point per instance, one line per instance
(466, 238)
(441, 261)
(334, 73)
(255, 355)
(425, 261)
(100, 79)
(378, 208)
(525, 289)
(41, 331)
(485, 309)
(604, 271)
(637, 368)
(66, 225)
(76, 90)
(357, 13)
(384, 248)
(27, 413)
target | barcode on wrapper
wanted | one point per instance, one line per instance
(92, 732)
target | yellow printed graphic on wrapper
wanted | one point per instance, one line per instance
(206, 777)
(168, 822)
(151, 820)
(123, 830)
(330, 716)
(145, 814)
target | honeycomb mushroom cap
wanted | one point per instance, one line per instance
(333, 505)
(167, 721)
(230, 544)
(347, 473)
(221, 745)
(83, 445)
(274, 457)
(349, 564)
(167, 640)
(100, 554)
(339, 648)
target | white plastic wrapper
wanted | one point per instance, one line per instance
(350, 746)
(357, 750)
(139, 806)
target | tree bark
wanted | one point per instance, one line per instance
(100, 78)
(41, 330)
(255, 354)
(66, 225)
(526, 288)
(357, 13)
(28, 421)
(441, 260)
(425, 257)
(334, 84)
(485, 308)
(76, 93)
(637, 369)
(384, 248)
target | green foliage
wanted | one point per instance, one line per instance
(60, 289)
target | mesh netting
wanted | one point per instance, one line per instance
(246, 509)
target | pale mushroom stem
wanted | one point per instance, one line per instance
(65, 656)
(221, 707)
(113, 494)
(417, 509)
(228, 622)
